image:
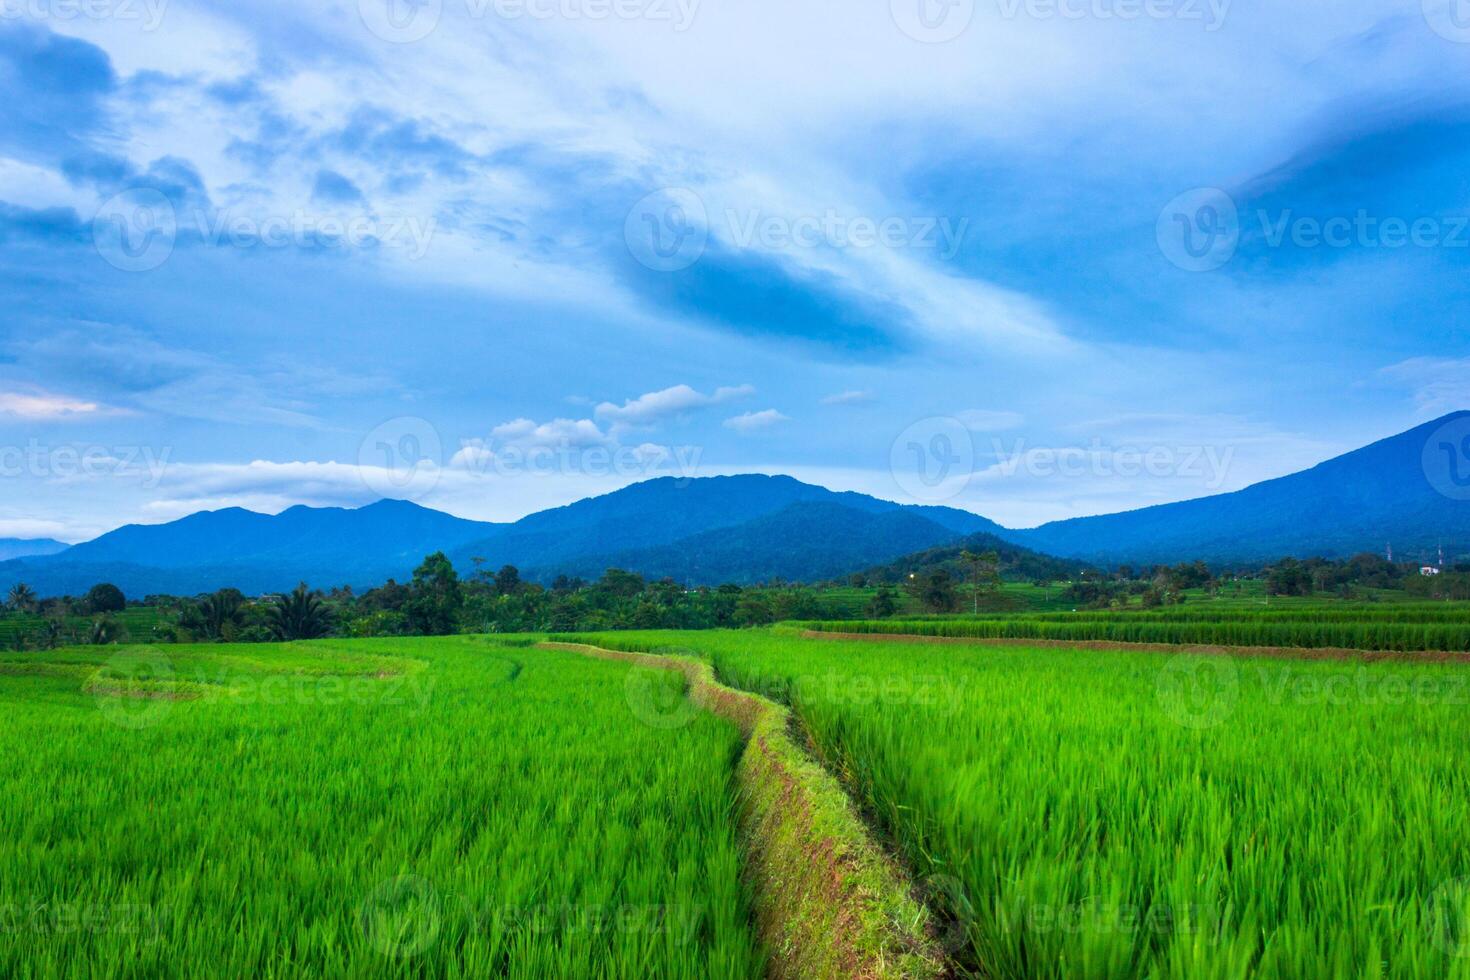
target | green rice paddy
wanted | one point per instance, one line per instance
(1108, 814)
(439, 807)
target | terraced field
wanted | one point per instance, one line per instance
(434, 807)
(1405, 627)
(1111, 814)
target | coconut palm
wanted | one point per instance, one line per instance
(104, 631)
(301, 615)
(22, 598)
(51, 634)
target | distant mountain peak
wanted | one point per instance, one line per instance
(1352, 503)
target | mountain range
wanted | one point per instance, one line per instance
(710, 530)
(1404, 491)
(754, 528)
(26, 547)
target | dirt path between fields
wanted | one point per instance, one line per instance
(1201, 649)
(828, 902)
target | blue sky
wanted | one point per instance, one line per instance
(1034, 258)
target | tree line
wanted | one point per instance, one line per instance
(436, 600)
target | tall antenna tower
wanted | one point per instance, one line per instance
(1390, 552)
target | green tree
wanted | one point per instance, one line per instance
(104, 631)
(508, 580)
(435, 597)
(105, 598)
(51, 634)
(984, 573)
(301, 615)
(22, 599)
(619, 583)
(218, 617)
(753, 610)
(936, 591)
(882, 605)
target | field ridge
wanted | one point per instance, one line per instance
(828, 900)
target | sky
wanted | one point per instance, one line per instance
(1033, 258)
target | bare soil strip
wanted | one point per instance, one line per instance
(828, 901)
(1204, 650)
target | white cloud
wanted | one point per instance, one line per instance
(755, 421)
(44, 406)
(1440, 385)
(30, 529)
(567, 433)
(655, 406)
(849, 398)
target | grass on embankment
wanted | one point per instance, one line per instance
(1127, 814)
(828, 901)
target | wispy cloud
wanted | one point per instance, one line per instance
(44, 406)
(849, 398)
(755, 421)
(1439, 385)
(656, 406)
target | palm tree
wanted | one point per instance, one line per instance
(300, 615)
(215, 616)
(22, 598)
(220, 613)
(51, 634)
(104, 631)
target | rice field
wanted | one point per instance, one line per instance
(1402, 628)
(425, 807)
(1109, 814)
